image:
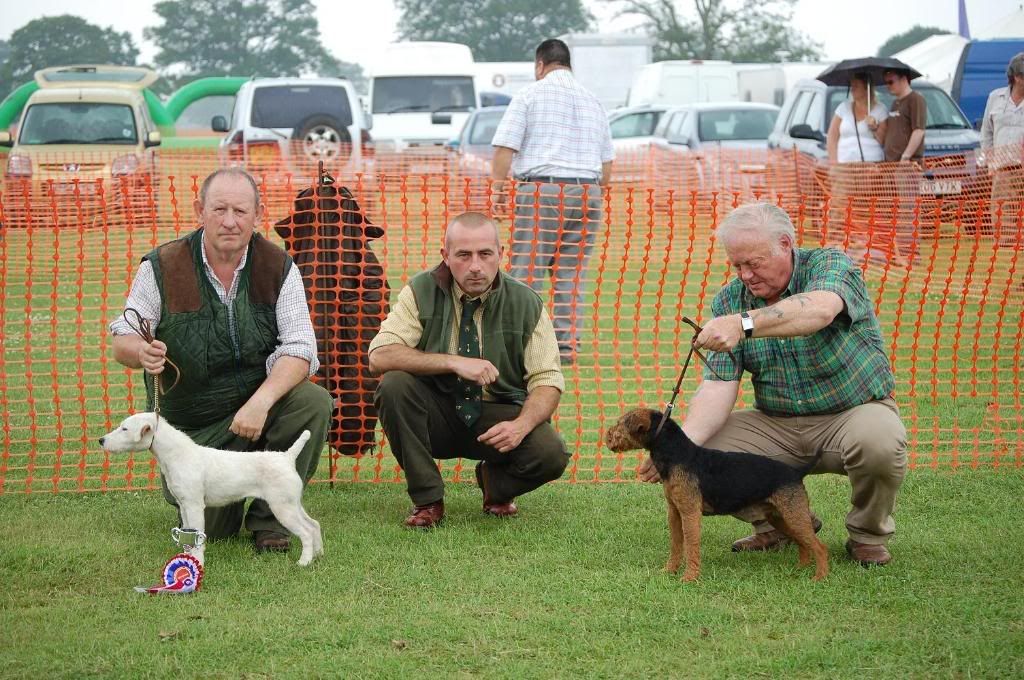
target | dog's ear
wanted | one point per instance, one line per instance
(638, 424)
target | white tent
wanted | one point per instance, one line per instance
(936, 57)
(1010, 26)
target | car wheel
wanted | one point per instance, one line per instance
(322, 137)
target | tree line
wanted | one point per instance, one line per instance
(200, 38)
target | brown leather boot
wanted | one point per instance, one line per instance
(867, 554)
(426, 516)
(498, 509)
(768, 540)
(270, 541)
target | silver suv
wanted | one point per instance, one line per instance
(289, 124)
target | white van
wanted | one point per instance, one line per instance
(421, 94)
(684, 82)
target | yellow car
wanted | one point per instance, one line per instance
(84, 144)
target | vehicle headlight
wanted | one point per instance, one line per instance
(124, 165)
(19, 166)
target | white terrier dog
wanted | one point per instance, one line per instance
(199, 476)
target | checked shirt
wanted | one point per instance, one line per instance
(841, 366)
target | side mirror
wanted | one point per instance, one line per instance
(5, 139)
(439, 118)
(219, 124)
(804, 131)
(153, 139)
(452, 145)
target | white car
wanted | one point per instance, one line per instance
(287, 125)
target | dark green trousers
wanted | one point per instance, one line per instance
(421, 425)
(306, 406)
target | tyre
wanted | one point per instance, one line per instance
(322, 137)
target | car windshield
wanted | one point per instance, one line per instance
(735, 124)
(290, 106)
(639, 124)
(78, 123)
(484, 126)
(423, 93)
(942, 112)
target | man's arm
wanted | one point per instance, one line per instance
(799, 315)
(916, 137)
(288, 371)
(987, 133)
(398, 357)
(538, 408)
(132, 351)
(832, 143)
(709, 409)
(606, 173)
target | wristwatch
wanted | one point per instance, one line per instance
(748, 325)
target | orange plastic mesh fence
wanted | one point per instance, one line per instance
(940, 255)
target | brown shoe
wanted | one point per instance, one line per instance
(868, 554)
(270, 541)
(498, 509)
(426, 516)
(768, 540)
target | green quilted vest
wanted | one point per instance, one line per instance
(220, 369)
(509, 318)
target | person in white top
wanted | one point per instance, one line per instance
(856, 132)
(1002, 141)
(555, 138)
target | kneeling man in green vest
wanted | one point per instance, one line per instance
(228, 308)
(470, 369)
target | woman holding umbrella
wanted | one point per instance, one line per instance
(858, 128)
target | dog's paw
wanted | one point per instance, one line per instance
(670, 567)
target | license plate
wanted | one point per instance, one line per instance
(68, 189)
(262, 154)
(426, 169)
(940, 187)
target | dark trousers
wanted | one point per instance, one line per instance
(421, 425)
(306, 406)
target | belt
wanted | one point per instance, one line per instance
(548, 179)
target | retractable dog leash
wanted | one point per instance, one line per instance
(686, 364)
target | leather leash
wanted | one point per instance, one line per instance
(143, 328)
(686, 364)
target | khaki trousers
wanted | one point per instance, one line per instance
(867, 443)
(421, 425)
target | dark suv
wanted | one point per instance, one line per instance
(950, 143)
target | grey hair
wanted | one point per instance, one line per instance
(1016, 66)
(204, 190)
(764, 218)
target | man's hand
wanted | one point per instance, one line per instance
(499, 197)
(479, 371)
(153, 356)
(647, 472)
(721, 334)
(249, 420)
(506, 435)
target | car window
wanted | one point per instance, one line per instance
(78, 123)
(287, 106)
(484, 127)
(798, 113)
(674, 132)
(640, 124)
(423, 93)
(814, 112)
(733, 124)
(198, 114)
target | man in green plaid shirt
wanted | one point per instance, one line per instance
(801, 323)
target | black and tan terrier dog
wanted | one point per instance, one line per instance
(699, 481)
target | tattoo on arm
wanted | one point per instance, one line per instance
(775, 312)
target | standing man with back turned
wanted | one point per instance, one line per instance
(556, 140)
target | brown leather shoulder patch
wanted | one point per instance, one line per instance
(180, 283)
(267, 273)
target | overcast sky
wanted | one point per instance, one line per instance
(355, 30)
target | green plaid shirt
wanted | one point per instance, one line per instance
(841, 366)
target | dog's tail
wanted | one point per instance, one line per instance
(295, 448)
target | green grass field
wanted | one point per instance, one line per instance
(570, 588)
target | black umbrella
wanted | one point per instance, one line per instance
(873, 67)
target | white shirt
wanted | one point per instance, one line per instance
(849, 151)
(294, 328)
(1002, 129)
(557, 128)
